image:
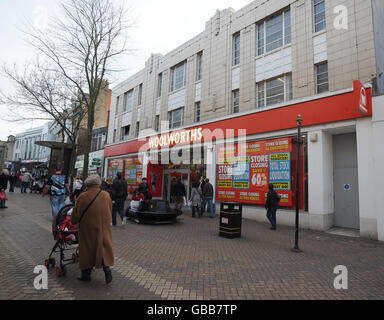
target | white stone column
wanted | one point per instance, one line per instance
(378, 162)
(320, 180)
(210, 159)
(368, 219)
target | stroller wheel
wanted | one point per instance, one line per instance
(61, 271)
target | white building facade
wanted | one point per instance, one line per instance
(243, 81)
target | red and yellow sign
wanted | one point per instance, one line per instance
(245, 170)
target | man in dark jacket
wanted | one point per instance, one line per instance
(12, 181)
(208, 198)
(144, 189)
(179, 194)
(271, 204)
(119, 194)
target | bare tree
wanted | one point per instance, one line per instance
(83, 46)
(43, 93)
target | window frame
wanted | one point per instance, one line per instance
(262, 87)
(159, 84)
(125, 136)
(235, 108)
(284, 28)
(235, 57)
(173, 69)
(199, 66)
(197, 111)
(317, 76)
(140, 94)
(171, 123)
(126, 107)
(314, 24)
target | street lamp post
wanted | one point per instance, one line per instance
(299, 121)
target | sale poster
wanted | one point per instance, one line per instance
(133, 173)
(114, 166)
(245, 170)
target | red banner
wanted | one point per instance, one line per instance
(245, 170)
(155, 179)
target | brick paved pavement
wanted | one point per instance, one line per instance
(190, 261)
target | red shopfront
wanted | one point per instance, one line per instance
(260, 161)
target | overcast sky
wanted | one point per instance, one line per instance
(160, 26)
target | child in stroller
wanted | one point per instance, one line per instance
(66, 236)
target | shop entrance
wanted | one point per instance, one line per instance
(170, 177)
(345, 181)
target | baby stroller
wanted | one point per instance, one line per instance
(66, 240)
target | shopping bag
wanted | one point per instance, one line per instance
(3, 196)
(135, 205)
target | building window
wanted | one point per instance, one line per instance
(117, 105)
(159, 85)
(199, 65)
(140, 94)
(175, 118)
(97, 142)
(235, 101)
(137, 128)
(114, 135)
(322, 77)
(128, 101)
(319, 15)
(179, 76)
(125, 132)
(273, 91)
(157, 123)
(236, 49)
(274, 32)
(197, 111)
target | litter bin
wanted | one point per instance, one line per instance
(230, 220)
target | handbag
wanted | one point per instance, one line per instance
(3, 197)
(82, 215)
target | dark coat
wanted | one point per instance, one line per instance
(179, 189)
(3, 181)
(95, 234)
(208, 191)
(272, 200)
(119, 189)
(144, 189)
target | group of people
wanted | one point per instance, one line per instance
(201, 195)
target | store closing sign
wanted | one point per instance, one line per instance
(245, 170)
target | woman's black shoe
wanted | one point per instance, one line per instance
(108, 275)
(85, 275)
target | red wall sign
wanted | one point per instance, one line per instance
(361, 98)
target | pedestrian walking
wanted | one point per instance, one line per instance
(196, 200)
(208, 198)
(93, 214)
(26, 182)
(3, 188)
(201, 187)
(179, 194)
(12, 181)
(77, 187)
(105, 185)
(119, 194)
(271, 204)
(57, 186)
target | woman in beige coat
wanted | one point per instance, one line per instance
(95, 235)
